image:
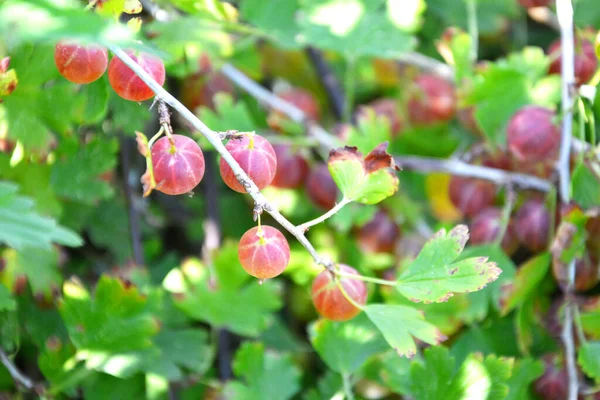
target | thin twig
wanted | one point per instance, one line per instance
(17, 375)
(428, 64)
(329, 81)
(304, 227)
(564, 11)
(460, 168)
(215, 140)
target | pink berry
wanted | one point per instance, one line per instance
(127, 84)
(532, 225)
(379, 235)
(329, 299)
(470, 195)
(292, 168)
(485, 228)
(80, 63)
(178, 167)
(433, 100)
(532, 135)
(264, 256)
(256, 157)
(586, 62)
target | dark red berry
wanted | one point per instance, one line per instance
(432, 100)
(532, 225)
(532, 135)
(292, 168)
(470, 195)
(378, 235)
(486, 226)
(321, 188)
(535, 3)
(586, 61)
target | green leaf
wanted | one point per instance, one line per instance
(430, 380)
(77, 176)
(276, 19)
(434, 276)
(20, 227)
(368, 180)
(371, 130)
(525, 372)
(589, 359)
(585, 186)
(102, 386)
(399, 324)
(268, 375)
(7, 303)
(228, 115)
(345, 346)
(528, 277)
(40, 266)
(232, 299)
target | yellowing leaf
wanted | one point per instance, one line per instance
(132, 7)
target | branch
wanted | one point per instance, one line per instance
(428, 64)
(214, 138)
(17, 375)
(460, 168)
(564, 11)
(304, 227)
(329, 81)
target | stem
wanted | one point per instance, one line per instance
(473, 28)
(304, 227)
(347, 386)
(155, 137)
(509, 204)
(17, 375)
(349, 88)
(366, 278)
(215, 140)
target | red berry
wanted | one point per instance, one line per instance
(378, 235)
(329, 299)
(256, 157)
(554, 383)
(433, 100)
(593, 236)
(485, 228)
(264, 256)
(301, 99)
(127, 84)
(586, 62)
(532, 135)
(532, 225)
(587, 273)
(178, 167)
(321, 188)
(80, 63)
(292, 168)
(387, 108)
(199, 90)
(535, 3)
(470, 195)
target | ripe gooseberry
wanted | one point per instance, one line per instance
(432, 100)
(470, 195)
(534, 3)
(379, 235)
(256, 157)
(80, 63)
(586, 62)
(532, 135)
(485, 228)
(130, 86)
(178, 166)
(264, 252)
(587, 273)
(329, 299)
(387, 108)
(532, 224)
(292, 168)
(321, 188)
(554, 383)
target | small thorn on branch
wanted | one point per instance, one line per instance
(230, 134)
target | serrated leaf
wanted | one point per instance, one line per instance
(589, 359)
(399, 324)
(529, 276)
(21, 227)
(525, 371)
(40, 266)
(368, 180)
(430, 380)
(585, 186)
(228, 115)
(345, 346)
(231, 299)
(370, 131)
(434, 275)
(268, 375)
(7, 303)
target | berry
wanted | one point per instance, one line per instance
(593, 236)
(292, 168)
(80, 63)
(329, 299)
(485, 228)
(433, 100)
(256, 157)
(387, 108)
(554, 383)
(378, 235)
(470, 195)
(127, 84)
(586, 62)
(301, 99)
(587, 273)
(532, 224)
(199, 90)
(535, 3)
(178, 167)
(321, 188)
(532, 135)
(266, 255)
